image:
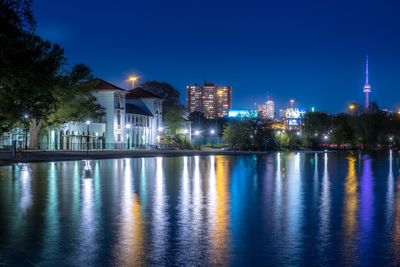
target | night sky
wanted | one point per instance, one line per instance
(312, 51)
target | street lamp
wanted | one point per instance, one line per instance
(87, 138)
(197, 133)
(133, 79)
(128, 143)
(26, 118)
(212, 132)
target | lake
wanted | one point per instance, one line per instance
(278, 209)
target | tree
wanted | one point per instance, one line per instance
(33, 87)
(174, 120)
(239, 134)
(166, 91)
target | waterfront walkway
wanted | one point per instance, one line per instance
(6, 157)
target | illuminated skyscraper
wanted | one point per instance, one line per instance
(262, 112)
(367, 87)
(194, 98)
(213, 101)
(270, 109)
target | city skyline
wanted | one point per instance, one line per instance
(315, 55)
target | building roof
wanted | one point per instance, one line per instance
(100, 84)
(134, 109)
(139, 92)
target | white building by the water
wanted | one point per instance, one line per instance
(132, 119)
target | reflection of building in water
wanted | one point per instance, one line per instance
(130, 248)
(184, 232)
(350, 210)
(396, 228)
(220, 213)
(390, 191)
(293, 205)
(325, 207)
(52, 244)
(160, 216)
(366, 211)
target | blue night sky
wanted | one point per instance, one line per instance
(312, 51)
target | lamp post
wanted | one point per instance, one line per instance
(128, 143)
(197, 133)
(212, 132)
(87, 138)
(133, 79)
(26, 117)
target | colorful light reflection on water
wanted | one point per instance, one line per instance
(281, 209)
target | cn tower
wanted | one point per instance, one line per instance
(367, 87)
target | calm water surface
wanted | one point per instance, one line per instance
(281, 209)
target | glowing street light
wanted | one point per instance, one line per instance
(160, 129)
(197, 132)
(326, 137)
(298, 133)
(212, 132)
(291, 102)
(133, 79)
(26, 117)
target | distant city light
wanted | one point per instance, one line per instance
(87, 122)
(325, 137)
(298, 133)
(238, 113)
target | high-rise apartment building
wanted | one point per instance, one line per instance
(270, 109)
(194, 98)
(212, 100)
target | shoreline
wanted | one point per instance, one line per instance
(49, 156)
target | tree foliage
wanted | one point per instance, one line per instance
(33, 84)
(174, 120)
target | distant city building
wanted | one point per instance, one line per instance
(270, 109)
(282, 114)
(294, 117)
(262, 111)
(211, 100)
(194, 98)
(367, 86)
(242, 113)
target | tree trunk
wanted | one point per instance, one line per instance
(35, 128)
